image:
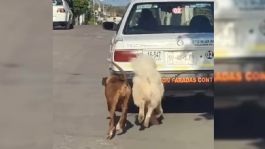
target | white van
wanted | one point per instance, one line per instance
(62, 14)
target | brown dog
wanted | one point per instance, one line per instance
(117, 92)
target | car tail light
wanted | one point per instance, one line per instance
(124, 56)
(62, 10)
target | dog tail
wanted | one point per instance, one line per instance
(120, 69)
(104, 81)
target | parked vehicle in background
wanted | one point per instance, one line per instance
(62, 14)
(178, 34)
(116, 20)
(99, 19)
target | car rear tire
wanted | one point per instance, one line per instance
(68, 25)
(71, 26)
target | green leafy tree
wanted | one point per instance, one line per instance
(80, 7)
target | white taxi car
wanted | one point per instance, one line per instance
(178, 34)
(62, 14)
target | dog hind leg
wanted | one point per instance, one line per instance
(121, 124)
(111, 130)
(141, 111)
(159, 111)
(148, 115)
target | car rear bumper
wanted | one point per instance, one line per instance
(60, 23)
(185, 83)
(247, 84)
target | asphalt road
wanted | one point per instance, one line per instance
(79, 63)
(25, 75)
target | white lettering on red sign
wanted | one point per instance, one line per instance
(177, 10)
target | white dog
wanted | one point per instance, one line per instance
(147, 88)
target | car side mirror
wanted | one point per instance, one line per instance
(109, 26)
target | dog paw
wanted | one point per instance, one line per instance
(118, 128)
(146, 124)
(159, 115)
(160, 119)
(140, 118)
(111, 133)
(109, 136)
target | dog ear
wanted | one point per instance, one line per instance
(104, 81)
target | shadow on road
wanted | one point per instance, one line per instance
(260, 144)
(60, 28)
(194, 104)
(243, 122)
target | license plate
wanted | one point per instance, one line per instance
(156, 55)
(179, 58)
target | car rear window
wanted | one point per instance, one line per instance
(57, 2)
(170, 17)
